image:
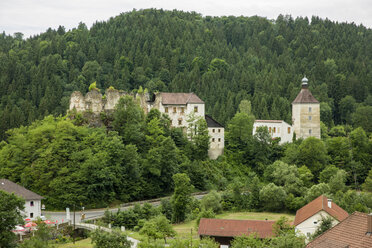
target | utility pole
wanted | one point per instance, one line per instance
(73, 234)
(191, 238)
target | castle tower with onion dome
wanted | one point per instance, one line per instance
(306, 113)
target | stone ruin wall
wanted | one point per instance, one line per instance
(94, 102)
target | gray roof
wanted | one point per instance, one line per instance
(10, 187)
(211, 122)
(179, 98)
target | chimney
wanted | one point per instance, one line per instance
(369, 223)
(330, 203)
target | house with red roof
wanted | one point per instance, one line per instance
(353, 232)
(223, 231)
(309, 217)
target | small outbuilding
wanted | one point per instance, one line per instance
(223, 231)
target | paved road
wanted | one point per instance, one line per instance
(61, 217)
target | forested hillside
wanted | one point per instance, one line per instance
(222, 59)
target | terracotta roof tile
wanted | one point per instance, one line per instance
(305, 96)
(10, 187)
(320, 203)
(233, 228)
(179, 98)
(350, 233)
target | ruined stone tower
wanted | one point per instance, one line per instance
(306, 113)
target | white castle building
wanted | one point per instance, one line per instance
(178, 106)
(305, 118)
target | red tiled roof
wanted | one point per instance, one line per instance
(350, 233)
(233, 228)
(179, 98)
(10, 187)
(320, 203)
(305, 96)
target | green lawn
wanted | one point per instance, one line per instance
(85, 243)
(184, 230)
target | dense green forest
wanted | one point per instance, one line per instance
(244, 68)
(222, 59)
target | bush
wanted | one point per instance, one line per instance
(272, 197)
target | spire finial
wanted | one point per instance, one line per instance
(304, 81)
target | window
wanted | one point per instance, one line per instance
(278, 129)
(309, 117)
(309, 109)
(166, 109)
(309, 131)
(31, 215)
(31, 203)
(308, 234)
(219, 130)
(212, 139)
(213, 130)
(196, 109)
(289, 130)
(219, 139)
(182, 110)
(174, 110)
(180, 122)
(274, 129)
(315, 222)
(269, 129)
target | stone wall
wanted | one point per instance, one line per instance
(95, 103)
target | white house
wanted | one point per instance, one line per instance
(309, 217)
(217, 137)
(179, 106)
(277, 129)
(33, 201)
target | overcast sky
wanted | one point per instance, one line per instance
(35, 16)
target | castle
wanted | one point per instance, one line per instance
(305, 118)
(178, 106)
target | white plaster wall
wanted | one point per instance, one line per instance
(308, 225)
(36, 209)
(188, 109)
(175, 116)
(217, 141)
(301, 122)
(281, 130)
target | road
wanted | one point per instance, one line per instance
(61, 217)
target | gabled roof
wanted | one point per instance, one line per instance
(179, 98)
(350, 233)
(10, 187)
(305, 96)
(211, 122)
(233, 228)
(320, 203)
